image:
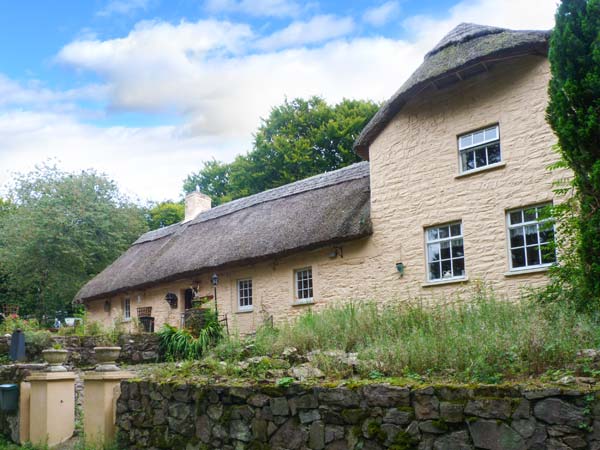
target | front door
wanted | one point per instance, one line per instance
(189, 295)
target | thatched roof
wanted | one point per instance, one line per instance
(467, 50)
(318, 211)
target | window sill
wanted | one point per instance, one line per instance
(444, 282)
(244, 311)
(516, 273)
(496, 166)
(126, 320)
(303, 302)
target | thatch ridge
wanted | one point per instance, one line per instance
(354, 171)
(459, 51)
(329, 208)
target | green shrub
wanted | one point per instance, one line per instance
(12, 322)
(182, 344)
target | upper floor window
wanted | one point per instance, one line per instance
(304, 285)
(479, 149)
(445, 252)
(244, 288)
(531, 237)
(127, 308)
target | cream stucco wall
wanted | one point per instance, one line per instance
(415, 168)
(414, 184)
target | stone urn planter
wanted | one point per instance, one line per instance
(55, 359)
(106, 357)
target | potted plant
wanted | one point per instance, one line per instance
(106, 357)
(55, 357)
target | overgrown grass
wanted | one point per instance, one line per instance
(483, 339)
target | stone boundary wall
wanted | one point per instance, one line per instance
(135, 348)
(368, 417)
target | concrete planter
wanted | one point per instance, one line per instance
(55, 359)
(107, 358)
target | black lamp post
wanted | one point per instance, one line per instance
(215, 281)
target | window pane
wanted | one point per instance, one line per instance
(432, 234)
(548, 254)
(546, 232)
(466, 141)
(459, 267)
(480, 158)
(443, 232)
(478, 137)
(445, 250)
(457, 248)
(446, 269)
(531, 234)
(493, 153)
(533, 255)
(516, 217)
(516, 237)
(544, 212)
(518, 257)
(468, 161)
(491, 133)
(455, 229)
(434, 252)
(529, 215)
(434, 271)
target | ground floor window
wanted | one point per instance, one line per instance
(304, 285)
(531, 237)
(445, 252)
(244, 288)
(127, 308)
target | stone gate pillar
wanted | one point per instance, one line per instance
(52, 407)
(101, 391)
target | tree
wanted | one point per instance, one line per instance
(63, 230)
(164, 214)
(6, 207)
(212, 180)
(574, 115)
(300, 138)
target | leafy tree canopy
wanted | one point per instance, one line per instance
(164, 214)
(574, 114)
(63, 229)
(300, 138)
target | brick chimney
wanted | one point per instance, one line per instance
(195, 203)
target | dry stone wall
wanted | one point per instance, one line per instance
(135, 348)
(369, 417)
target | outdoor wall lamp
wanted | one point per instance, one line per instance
(335, 252)
(400, 268)
(215, 280)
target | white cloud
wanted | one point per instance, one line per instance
(209, 75)
(148, 163)
(123, 7)
(198, 70)
(515, 14)
(274, 8)
(318, 29)
(35, 95)
(380, 15)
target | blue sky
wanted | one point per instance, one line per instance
(145, 90)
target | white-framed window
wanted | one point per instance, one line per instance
(127, 308)
(445, 252)
(530, 237)
(304, 285)
(244, 288)
(479, 149)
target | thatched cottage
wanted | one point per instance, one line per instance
(451, 193)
